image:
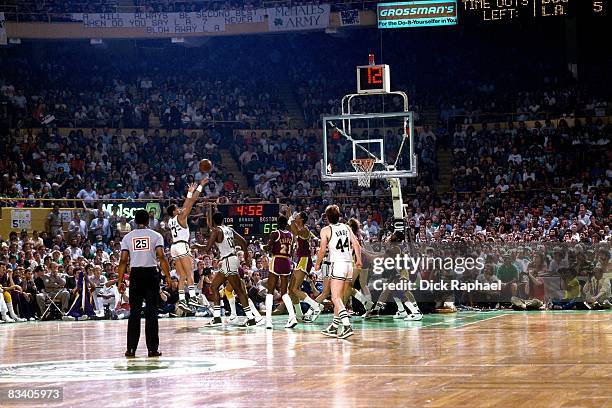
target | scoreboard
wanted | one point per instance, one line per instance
(423, 13)
(251, 220)
(506, 10)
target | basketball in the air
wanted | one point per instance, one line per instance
(205, 165)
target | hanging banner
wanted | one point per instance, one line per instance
(239, 16)
(424, 13)
(21, 219)
(3, 40)
(310, 17)
(158, 23)
(349, 17)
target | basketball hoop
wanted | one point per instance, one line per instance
(364, 168)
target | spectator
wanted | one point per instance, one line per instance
(77, 226)
(54, 222)
(100, 226)
(54, 289)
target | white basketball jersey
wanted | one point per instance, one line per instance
(340, 248)
(227, 246)
(179, 233)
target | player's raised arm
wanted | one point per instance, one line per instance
(209, 220)
(193, 192)
(324, 241)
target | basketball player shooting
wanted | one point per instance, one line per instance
(180, 251)
(340, 241)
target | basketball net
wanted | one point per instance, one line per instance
(364, 169)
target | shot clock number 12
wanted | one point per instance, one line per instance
(373, 79)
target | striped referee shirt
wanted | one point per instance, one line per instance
(141, 245)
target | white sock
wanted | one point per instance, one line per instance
(298, 311)
(192, 291)
(289, 305)
(310, 301)
(269, 304)
(360, 297)
(254, 310)
(181, 295)
(344, 317)
(232, 303)
(11, 312)
(247, 311)
(414, 309)
(400, 305)
(217, 311)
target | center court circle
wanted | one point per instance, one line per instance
(116, 369)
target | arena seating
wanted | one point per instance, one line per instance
(522, 168)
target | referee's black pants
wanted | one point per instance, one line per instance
(144, 285)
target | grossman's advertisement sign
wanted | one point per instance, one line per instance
(417, 14)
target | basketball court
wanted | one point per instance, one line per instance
(488, 359)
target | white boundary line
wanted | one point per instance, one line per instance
(482, 320)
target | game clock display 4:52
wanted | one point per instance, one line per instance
(251, 220)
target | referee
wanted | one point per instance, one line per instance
(141, 248)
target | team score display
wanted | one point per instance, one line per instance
(496, 10)
(268, 228)
(251, 220)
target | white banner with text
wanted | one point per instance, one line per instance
(171, 23)
(309, 17)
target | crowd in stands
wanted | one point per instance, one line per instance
(140, 89)
(71, 273)
(524, 172)
(453, 84)
(60, 10)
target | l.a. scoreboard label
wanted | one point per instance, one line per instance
(417, 14)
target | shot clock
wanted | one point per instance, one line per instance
(373, 79)
(251, 220)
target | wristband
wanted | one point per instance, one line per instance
(189, 194)
(199, 188)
